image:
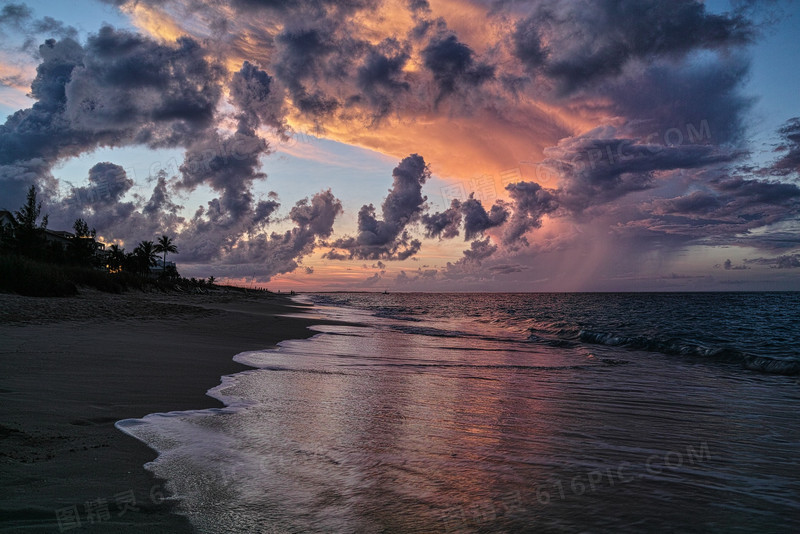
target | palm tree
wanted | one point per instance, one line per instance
(145, 255)
(211, 281)
(165, 245)
(116, 257)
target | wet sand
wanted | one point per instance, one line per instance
(71, 367)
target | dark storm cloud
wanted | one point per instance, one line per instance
(477, 220)
(101, 204)
(305, 55)
(507, 268)
(107, 181)
(759, 191)
(527, 44)
(229, 164)
(723, 209)
(148, 93)
(723, 213)
(124, 89)
(419, 5)
(289, 5)
(443, 225)
(15, 14)
(696, 102)
(281, 252)
(17, 22)
(790, 162)
(729, 266)
(589, 41)
(252, 93)
(42, 132)
(787, 261)
(453, 65)
(530, 203)
(599, 170)
(120, 89)
(480, 250)
(697, 202)
(160, 201)
(380, 78)
(388, 238)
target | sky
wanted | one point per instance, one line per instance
(413, 145)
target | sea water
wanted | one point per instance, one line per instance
(503, 413)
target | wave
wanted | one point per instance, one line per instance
(560, 343)
(771, 365)
(681, 347)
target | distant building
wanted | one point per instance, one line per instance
(59, 237)
(63, 238)
(159, 268)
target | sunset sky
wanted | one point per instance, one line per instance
(578, 145)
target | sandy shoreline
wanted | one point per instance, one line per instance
(71, 367)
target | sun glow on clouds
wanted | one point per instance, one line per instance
(153, 20)
(458, 143)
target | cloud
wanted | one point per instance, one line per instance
(281, 252)
(388, 238)
(530, 203)
(789, 163)
(15, 14)
(380, 77)
(597, 167)
(453, 65)
(787, 261)
(480, 250)
(587, 42)
(120, 89)
(729, 266)
(16, 20)
(477, 220)
(109, 181)
(443, 225)
(253, 94)
(102, 203)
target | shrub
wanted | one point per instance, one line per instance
(31, 278)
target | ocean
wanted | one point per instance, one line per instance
(502, 413)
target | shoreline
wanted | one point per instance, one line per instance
(70, 368)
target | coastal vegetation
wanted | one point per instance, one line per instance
(37, 261)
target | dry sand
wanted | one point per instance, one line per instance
(71, 367)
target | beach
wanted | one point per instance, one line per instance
(404, 413)
(71, 367)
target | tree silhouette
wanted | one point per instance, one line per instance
(165, 245)
(28, 237)
(82, 246)
(211, 281)
(116, 258)
(144, 256)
